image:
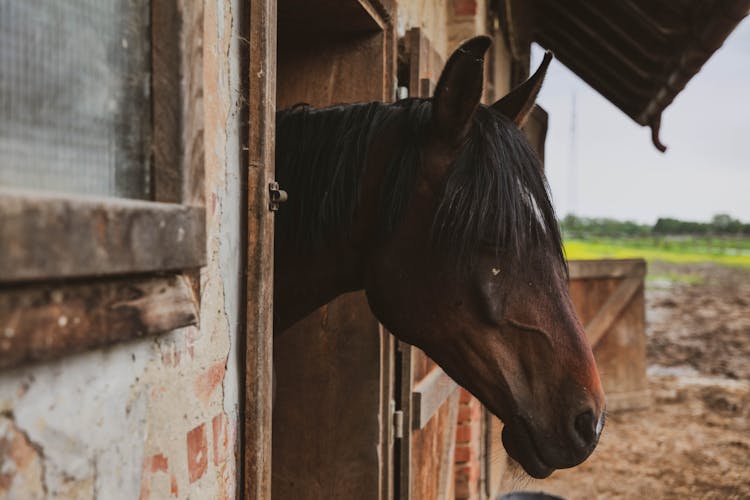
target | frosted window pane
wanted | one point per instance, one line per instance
(75, 109)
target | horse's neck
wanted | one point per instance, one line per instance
(308, 279)
(304, 282)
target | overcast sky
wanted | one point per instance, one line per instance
(614, 169)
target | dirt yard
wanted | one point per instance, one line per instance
(694, 440)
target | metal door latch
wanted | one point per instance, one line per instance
(278, 196)
(398, 424)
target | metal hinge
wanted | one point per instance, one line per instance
(278, 196)
(398, 424)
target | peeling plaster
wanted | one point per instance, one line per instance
(67, 412)
(115, 422)
(21, 463)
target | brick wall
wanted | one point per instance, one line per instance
(468, 448)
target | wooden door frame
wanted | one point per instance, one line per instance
(255, 439)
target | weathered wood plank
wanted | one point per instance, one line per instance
(49, 236)
(405, 473)
(41, 321)
(387, 408)
(406, 368)
(433, 454)
(614, 313)
(606, 268)
(429, 394)
(327, 414)
(599, 324)
(261, 98)
(448, 448)
(193, 156)
(166, 20)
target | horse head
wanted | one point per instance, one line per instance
(472, 271)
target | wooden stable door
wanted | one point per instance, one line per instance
(334, 369)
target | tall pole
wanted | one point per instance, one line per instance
(573, 160)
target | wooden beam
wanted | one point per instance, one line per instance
(261, 98)
(597, 62)
(387, 409)
(429, 395)
(606, 268)
(49, 236)
(45, 321)
(621, 99)
(406, 357)
(615, 304)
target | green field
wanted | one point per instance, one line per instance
(730, 252)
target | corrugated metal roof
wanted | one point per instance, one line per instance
(639, 54)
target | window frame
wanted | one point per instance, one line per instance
(79, 271)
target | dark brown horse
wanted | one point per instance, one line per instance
(438, 208)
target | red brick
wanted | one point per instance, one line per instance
(467, 412)
(207, 382)
(174, 490)
(463, 433)
(465, 490)
(220, 428)
(464, 413)
(197, 452)
(463, 453)
(464, 7)
(468, 434)
(462, 490)
(158, 463)
(468, 431)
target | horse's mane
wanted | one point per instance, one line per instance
(496, 194)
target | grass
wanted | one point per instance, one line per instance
(724, 252)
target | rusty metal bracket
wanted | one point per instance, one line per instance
(278, 196)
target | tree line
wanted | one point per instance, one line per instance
(720, 225)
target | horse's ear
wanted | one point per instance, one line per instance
(518, 103)
(459, 89)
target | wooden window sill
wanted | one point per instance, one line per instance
(48, 236)
(39, 322)
(80, 272)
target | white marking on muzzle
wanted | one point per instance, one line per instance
(600, 425)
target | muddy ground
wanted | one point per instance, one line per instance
(694, 440)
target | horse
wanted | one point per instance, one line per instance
(439, 210)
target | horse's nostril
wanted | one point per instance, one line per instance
(586, 426)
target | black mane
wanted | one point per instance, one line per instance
(495, 195)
